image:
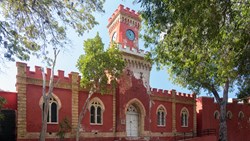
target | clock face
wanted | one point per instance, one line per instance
(114, 36)
(130, 34)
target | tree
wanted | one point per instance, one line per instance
(244, 89)
(98, 68)
(64, 127)
(244, 81)
(202, 43)
(46, 96)
(30, 25)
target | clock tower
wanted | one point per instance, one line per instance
(123, 27)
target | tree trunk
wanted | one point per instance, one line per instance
(47, 97)
(223, 113)
(83, 112)
(223, 109)
(223, 123)
(44, 119)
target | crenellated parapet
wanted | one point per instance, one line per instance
(124, 15)
(231, 101)
(133, 51)
(169, 93)
(137, 62)
(35, 77)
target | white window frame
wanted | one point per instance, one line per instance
(184, 117)
(161, 121)
(241, 115)
(216, 114)
(229, 115)
(96, 102)
(53, 99)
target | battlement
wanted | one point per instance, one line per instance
(161, 92)
(126, 11)
(37, 73)
(211, 100)
(134, 51)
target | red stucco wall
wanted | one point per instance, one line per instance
(237, 129)
(33, 111)
(154, 126)
(11, 98)
(107, 123)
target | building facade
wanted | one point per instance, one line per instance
(134, 111)
(238, 118)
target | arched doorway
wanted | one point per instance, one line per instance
(132, 121)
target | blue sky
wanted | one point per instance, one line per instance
(67, 58)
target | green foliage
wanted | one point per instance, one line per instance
(64, 127)
(203, 43)
(244, 88)
(28, 25)
(96, 64)
(2, 102)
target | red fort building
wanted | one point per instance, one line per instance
(134, 112)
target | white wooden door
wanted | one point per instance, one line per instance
(132, 122)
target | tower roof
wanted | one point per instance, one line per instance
(124, 11)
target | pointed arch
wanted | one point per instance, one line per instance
(54, 106)
(96, 109)
(161, 113)
(184, 117)
(138, 104)
(56, 99)
(216, 114)
(141, 113)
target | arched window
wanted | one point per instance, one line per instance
(53, 111)
(241, 115)
(161, 116)
(229, 115)
(216, 115)
(184, 117)
(96, 111)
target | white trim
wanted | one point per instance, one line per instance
(184, 111)
(218, 116)
(241, 115)
(163, 109)
(55, 100)
(229, 115)
(96, 102)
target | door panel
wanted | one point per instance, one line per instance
(132, 124)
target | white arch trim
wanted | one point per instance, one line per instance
(183, 109)
(138, 104)
(161, 106)
(96, 99)
(55, 97)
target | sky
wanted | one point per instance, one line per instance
(67, 58)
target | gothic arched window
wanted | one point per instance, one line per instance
(53, 111)
(184, 117)
(229, 115)
(53, 108)
(161, 116)
(216, 115)
(241, 115)
(96, 111)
